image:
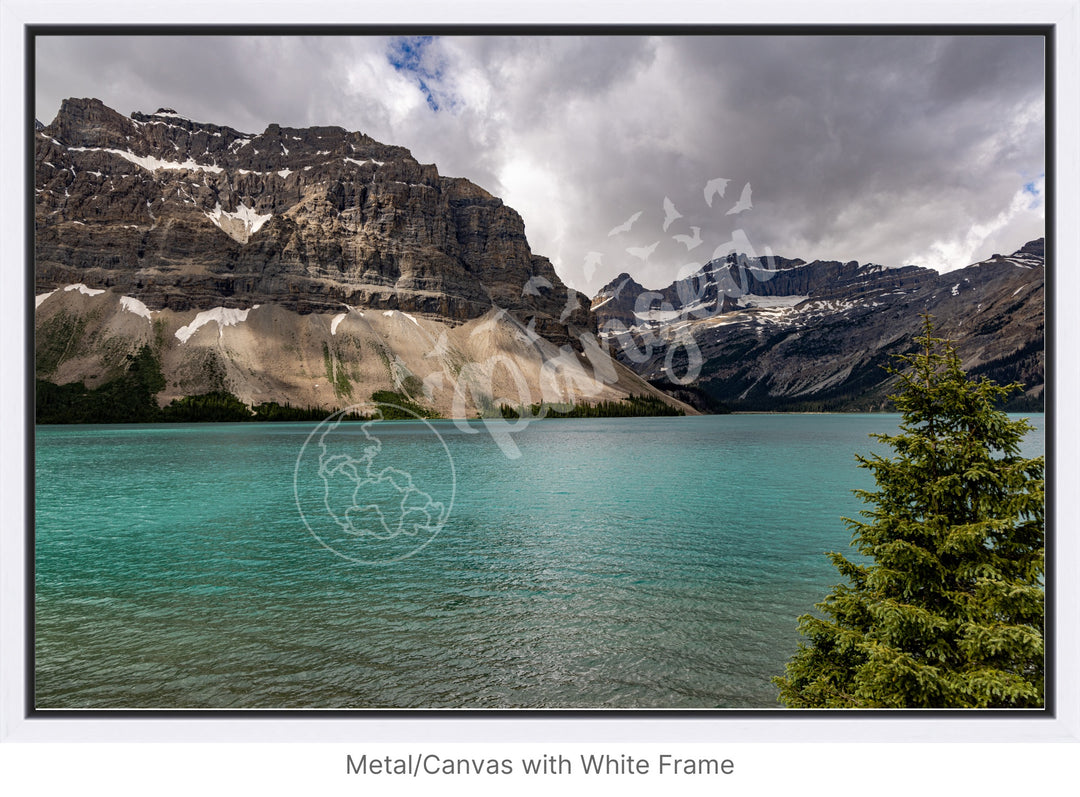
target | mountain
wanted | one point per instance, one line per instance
(774, 333)
(309, 266)
(316, 267)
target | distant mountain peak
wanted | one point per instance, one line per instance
(773, 333)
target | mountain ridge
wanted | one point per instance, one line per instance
(314, 218)
(316, 266)
(774, 333)
(311, 266)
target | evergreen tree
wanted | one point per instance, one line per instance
(946, 608)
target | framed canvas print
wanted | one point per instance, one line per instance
(321, 426)
(453, 374)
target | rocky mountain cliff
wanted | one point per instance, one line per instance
(311, 266)
(774, 333)
(182, 215)
(317, 266)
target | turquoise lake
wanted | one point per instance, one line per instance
(616, 563)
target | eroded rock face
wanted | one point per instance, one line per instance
(185, 215)
(267, 353)
(778, 334)
(308, 267)
(183, 218)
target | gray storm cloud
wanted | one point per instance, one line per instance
(888, 149)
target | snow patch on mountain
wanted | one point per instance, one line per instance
(361, 163)
(151, 163)
(78, 286)
(771, 302)
(133, 305)
(239, 224)
(224, 316)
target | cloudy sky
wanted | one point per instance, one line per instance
(884, 149)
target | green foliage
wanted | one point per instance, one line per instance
(272, 411)
(127, 399)
(694, 395)
(218, 405)
(401, 408)
(946, 609)
(57, 339)
(335, 374)
(130, 398)
(412, 385)
(630, 407)
(328, 363)
(212, 372)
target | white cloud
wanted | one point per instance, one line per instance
(1023, 219)
(879, 149)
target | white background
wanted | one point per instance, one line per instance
(308, 756)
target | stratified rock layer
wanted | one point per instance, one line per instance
(239, 257)
(774, 333)
(185, 215)
(312, 267)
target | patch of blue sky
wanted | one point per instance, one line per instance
(1034, 188)
(414, 56)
